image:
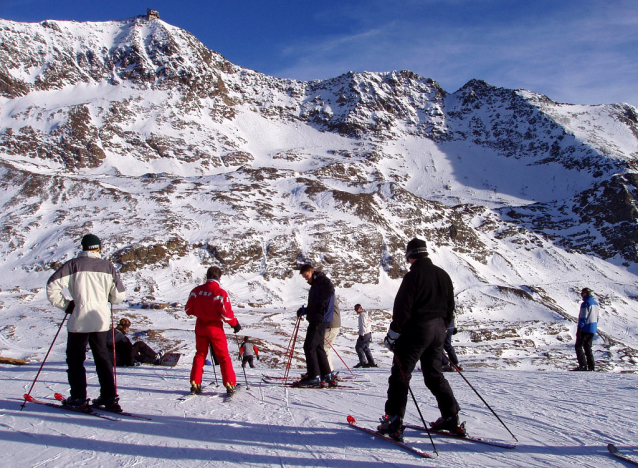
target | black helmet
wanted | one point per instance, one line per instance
(585, 291)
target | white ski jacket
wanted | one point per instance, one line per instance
(365, 325)
(93, 283)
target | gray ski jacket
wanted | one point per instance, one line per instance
(93, 283)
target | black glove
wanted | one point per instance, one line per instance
(301, 311)
(455, 331)
(69, 308)
(258, 358)
(237, 327)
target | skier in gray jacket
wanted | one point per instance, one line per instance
(93, 284)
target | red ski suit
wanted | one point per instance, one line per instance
(211, 305)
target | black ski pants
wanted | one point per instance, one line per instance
(248, 360)
(75, 357)
(143, 352)
(420, 342)
(316, 358)
(583, 350)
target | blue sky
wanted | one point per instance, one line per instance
(574, 51)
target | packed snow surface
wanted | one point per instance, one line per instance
(560, 418)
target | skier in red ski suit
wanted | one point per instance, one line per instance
(211, 305)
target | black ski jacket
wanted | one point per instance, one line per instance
(425, 293)
(123, 348)
(321, 299)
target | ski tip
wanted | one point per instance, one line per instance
(58, 396)
(612, 448)
(28, 397)
(351, 419)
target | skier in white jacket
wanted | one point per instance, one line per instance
(94, 285)
(362, 346)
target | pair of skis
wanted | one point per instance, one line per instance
(353, 422)
(281, 382)
(226, 397)
(89, 410)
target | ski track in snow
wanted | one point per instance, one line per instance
(561, 419)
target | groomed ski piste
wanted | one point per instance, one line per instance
(561, 419)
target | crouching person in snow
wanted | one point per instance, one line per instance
(93, 283)
(422, 309)
(127, 353)
(211, 305)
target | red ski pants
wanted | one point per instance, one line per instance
(217, 338)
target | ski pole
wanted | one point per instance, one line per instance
(396, 359)
(114, 356)
(479, 395)
(333, 348)
(291, 337)
(213, 359)
(242, 367)
(43, 361)
(290, 352)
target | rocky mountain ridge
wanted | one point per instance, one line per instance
(178, 159)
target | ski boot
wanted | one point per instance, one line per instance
(110, 404)
(196, 388)
(76, 403)
(392, 426)
(449, 424)
(158, 358)
(329, 380)
(309, 382)
(230, 389)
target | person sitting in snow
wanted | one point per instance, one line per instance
(247, 352)
(127, 353)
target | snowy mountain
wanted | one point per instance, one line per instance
(179, 159)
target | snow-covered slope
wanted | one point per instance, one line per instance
(179, 159)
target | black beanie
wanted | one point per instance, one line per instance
(91, 242)
(416, 248)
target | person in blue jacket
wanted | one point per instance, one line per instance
(587, 325)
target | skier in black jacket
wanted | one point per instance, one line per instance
(423, 307)
(319, 313)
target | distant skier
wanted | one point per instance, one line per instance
(248, 351)
(449, 349)
(211, 305)
(587, 326)
(93, 284)
(127, 353)
(422, 309)
(319, 313)
(362, 347)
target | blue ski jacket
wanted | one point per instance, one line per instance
(588, 316)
